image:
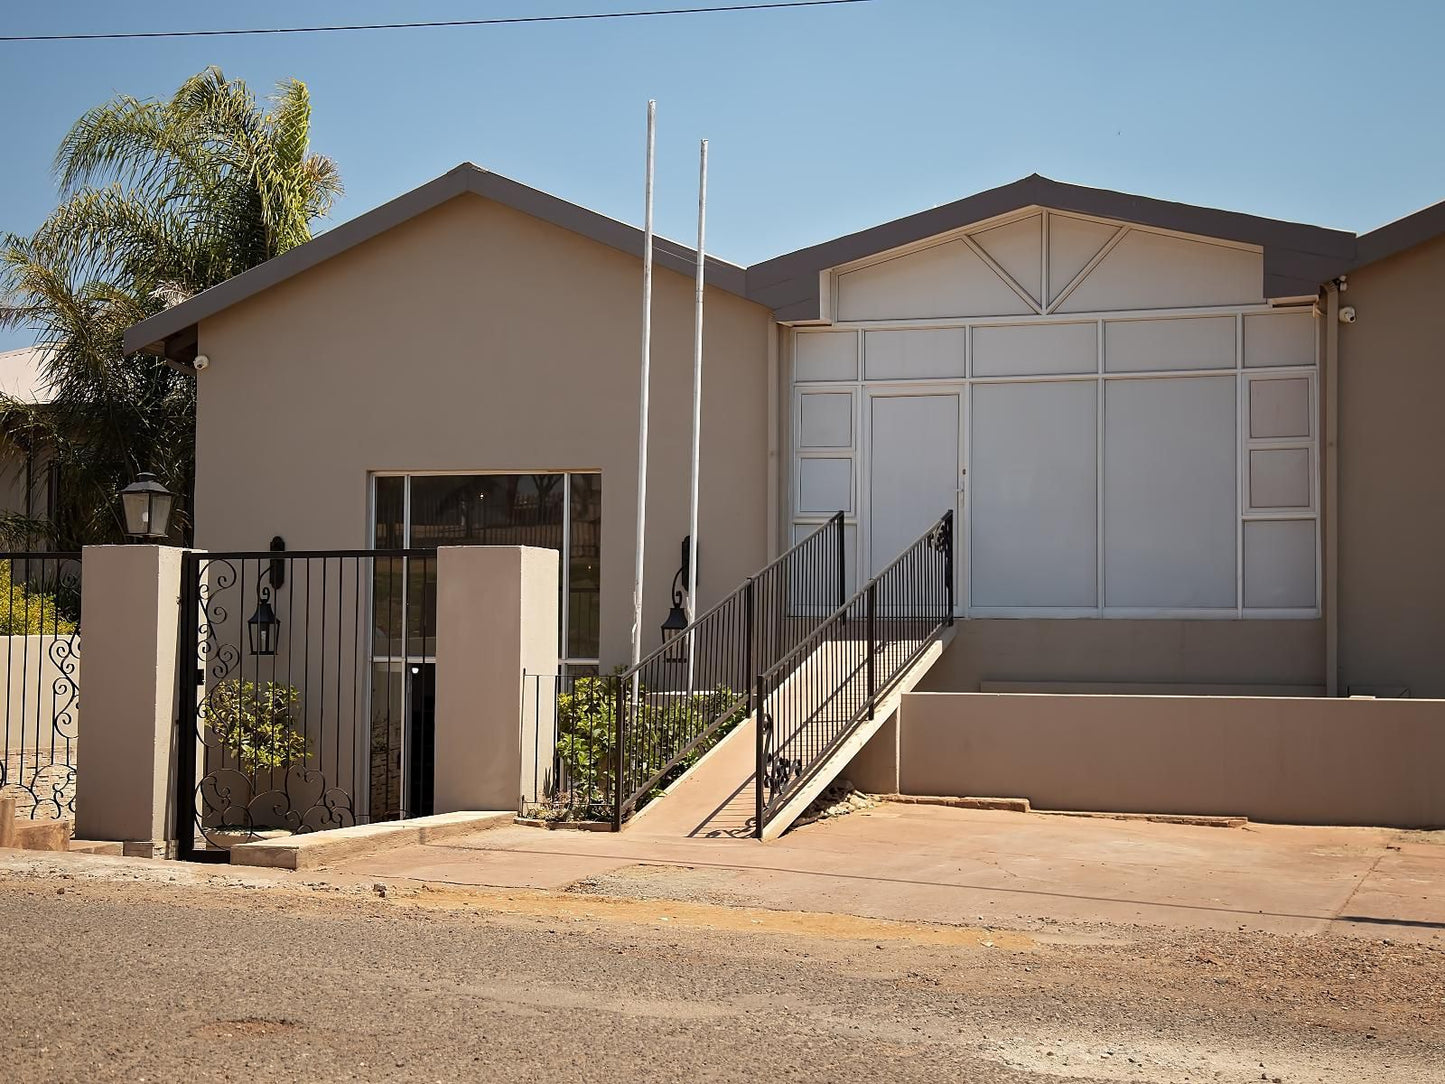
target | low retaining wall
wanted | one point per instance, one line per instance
(1289, 760)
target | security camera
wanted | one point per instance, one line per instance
(203, 362)
(1347, 314)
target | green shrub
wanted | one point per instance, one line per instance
(658, 728)
(256, 723)
(29, 611)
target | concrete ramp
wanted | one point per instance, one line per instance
(716, 799)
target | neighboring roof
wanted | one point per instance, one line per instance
(173, 331)
(21, 376)
(1395, 237)
(1297, 257)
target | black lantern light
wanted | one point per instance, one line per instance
(676, 620)
(147, 505)
(264, 627)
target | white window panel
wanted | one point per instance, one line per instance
(1035, 349)
(1133, 346)
(825, 420)
(1017, 248)
(1279, 564)
(1073, 242)
(1279, 478)
(1170, 493)
(1033, 502)
(825, 485)
(1147, 270)
(903, 355)
(940, 281)
(1279, 339)
(913, 469)
(1279, 408)
(825, 355)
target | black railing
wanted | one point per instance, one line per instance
(569, 723)
(811, 699)
(620, 738)
(307, 681)
(41, 678)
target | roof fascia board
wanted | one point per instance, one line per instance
(1404, 233)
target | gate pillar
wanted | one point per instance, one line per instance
(127, 731)
(497, 617)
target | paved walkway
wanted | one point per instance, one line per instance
(933, 864)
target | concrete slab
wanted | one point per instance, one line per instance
(317, 849)
(936, 864)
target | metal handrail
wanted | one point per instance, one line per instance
(834, 522)
(680, 696)
(778, 777)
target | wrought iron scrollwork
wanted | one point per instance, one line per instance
(284, 725)
(41, 662)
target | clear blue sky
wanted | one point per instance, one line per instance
(821, 121)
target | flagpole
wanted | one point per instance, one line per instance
(643, 400)
(696, 403)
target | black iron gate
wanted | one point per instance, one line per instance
(40, 674)
(305, 682)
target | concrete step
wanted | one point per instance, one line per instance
(97, 846)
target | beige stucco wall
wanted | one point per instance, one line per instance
(1392, 485)
(475, 337)
(1222, 652)
(128, 726)
(1292, 760)
(496, 620)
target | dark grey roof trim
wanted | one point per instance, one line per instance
(1297, 257)
(173, 332)
(1395, 237)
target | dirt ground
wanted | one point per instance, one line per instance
(139, 970)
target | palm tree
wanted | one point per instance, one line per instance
(160, 200)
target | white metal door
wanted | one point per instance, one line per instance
(914, 472)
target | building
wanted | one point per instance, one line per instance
(28, 477)
(1189, 450)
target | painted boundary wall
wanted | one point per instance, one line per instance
(1282, 759)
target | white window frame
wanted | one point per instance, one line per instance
(862, 389)
(566, 661)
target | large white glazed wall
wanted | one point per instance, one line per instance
(1135, 457)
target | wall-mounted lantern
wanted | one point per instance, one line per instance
(264, 627)
(676, 621)
(147, 506)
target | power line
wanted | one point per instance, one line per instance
(513, 20)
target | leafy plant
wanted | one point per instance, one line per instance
(256, 722)
(160, 199)
(659, 726)
(29, 611)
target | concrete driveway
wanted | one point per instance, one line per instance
(1017, 870)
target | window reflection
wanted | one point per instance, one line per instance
(552, 511)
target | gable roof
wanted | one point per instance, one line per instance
(1395, 237)
(1297, 257)
(173, 332)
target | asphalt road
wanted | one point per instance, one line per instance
(201, 980)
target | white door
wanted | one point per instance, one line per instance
(914, 473)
